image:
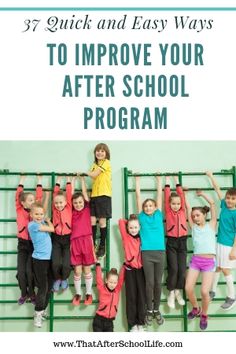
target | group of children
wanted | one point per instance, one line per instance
(44, 261)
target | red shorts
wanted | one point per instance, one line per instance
(82, 251)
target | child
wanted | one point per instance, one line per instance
(203, 259)
(82, 251)
(39, 232)
(226, 243)
(62, 215)
(134, 276)
(101, 194)
(23, 202)
(153, 249)
(176, 246)
(109, 294)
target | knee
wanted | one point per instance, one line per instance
(189, 288)
(102, 222)
(149, 283)
(204, 293)
(226, 271)
(77, 272)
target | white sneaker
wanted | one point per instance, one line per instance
(38, 319)
(44, 315)
(171, 299)
(134, 328)
(141, 328)
(179, 298)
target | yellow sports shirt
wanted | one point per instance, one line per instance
(102, 183)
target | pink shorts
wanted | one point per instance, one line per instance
(82, 251)
(202, 264)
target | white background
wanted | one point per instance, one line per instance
(30, 91)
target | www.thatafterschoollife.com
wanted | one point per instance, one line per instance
(117, 87)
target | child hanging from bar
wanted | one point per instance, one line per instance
(23, 203)
(134, 275)
(39, 229)
(82, 249)
(109, 295)
(153, 249)
(176, 245)
(100, 203)
(203, 260)
(62, 216)
(226, 243)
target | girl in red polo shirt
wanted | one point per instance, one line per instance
(109, 295)
(134, 275)
(82, 250)
(176, 246)
(62, 215)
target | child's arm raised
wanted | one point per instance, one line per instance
(138, 194)
(57, 186)
(211, 202)
(159, 193)
(68, 191)
(167, 194)
(46, 201)
(215, 184)
(39, 189)
(121, 278)
(19, 190)
(47, 228)
(189, 211)
(84, 188)
(99, 279)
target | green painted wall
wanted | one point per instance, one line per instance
(72, 156)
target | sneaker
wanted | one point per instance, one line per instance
(38, 319)
(134, 328)
(100, 252)
(203, 322)
(64, 284)
(141, 328)
(212, 294)
(179, 297)
(88, 300)
(44, 315)
(171, 299)
(228, 304)
(22, 300)
(149, 318)
(158, 317)
(76, 300)
(56, 285)
(194, 313)
(32, 299)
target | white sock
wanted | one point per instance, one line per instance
(88, 283)
(215, 281)
(77, 283)
(230, 286)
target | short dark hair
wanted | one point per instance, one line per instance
(231, 192)
(204, 210)
(77, 195)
